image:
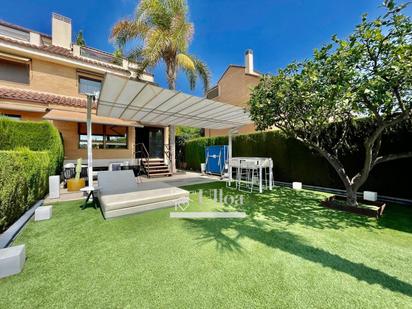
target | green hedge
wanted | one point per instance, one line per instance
(36, 136)
(29, 153)
(23, 180)
(293, 161)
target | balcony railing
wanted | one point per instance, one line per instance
(15, 33)
(99, 56)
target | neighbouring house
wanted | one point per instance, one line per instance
(45, 77)
(234, 88)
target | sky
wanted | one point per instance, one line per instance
(278, 31)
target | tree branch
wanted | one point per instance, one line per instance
(399, 98)
(394, 156)
(371, 107)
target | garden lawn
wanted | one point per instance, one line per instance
(290, 252)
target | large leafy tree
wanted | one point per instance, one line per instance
(163, 33)
(368, 75)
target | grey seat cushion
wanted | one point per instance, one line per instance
(147, 193)
(116, 182)
(119, 194)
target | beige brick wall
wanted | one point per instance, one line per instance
(29, 116)
(69, 131)
(234, 88)
(50, 77)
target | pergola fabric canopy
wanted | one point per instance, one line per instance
(148, 104)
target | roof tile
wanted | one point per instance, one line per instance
(40, 97)
(57, 50)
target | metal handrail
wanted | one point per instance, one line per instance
(143, 151)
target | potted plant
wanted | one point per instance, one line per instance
(76, 183)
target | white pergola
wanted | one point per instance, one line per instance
(149, 104)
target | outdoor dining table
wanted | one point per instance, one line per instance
(261, 162)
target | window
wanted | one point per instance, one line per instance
(11, 116)
(104, 136)
(89, 85)
(13, 71)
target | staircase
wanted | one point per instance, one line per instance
(155, 167)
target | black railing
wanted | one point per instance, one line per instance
(144, 156)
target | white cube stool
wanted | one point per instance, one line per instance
(43, 213)
(297, 185)
(370, 196)
(12, 260)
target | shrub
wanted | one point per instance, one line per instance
(29, 153)
(23, 180)
(36, 136)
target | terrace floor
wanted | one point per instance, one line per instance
(181, 178)
(288, 253)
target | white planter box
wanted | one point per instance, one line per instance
(297, 185)
(43, 213)
(54, 186)
(12, 260)
(370, 196)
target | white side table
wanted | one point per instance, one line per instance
(91, 194)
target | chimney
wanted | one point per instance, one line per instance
(61, 31)
(35, 38)
(249, 62)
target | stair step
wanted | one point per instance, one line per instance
(161, 174)
(153, 163)
(166, 169)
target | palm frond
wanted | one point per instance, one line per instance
(202, 71)
(181, 32)
(155, 45)
(136, 54)
(126, 30)
(185, 62)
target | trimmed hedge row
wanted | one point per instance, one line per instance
(29, 153)
(293, 161)
(23, 180)
(36, 136)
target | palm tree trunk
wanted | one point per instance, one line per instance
(171, 81)
(171, 74)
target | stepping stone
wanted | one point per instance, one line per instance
(12, 260)
(43, 213)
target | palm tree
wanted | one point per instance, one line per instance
(165, 33)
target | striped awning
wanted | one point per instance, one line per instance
(148, 104)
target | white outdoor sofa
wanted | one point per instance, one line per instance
(119, 194)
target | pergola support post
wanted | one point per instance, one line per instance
(172, 148)
(229, 154)
(90, 99)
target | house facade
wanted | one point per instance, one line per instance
(46, 77)
(234, 88)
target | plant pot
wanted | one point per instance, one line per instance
(74, 184)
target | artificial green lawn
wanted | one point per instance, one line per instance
(289, 252)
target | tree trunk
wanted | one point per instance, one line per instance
(171, 74)
(351, 188)
(351, 197)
